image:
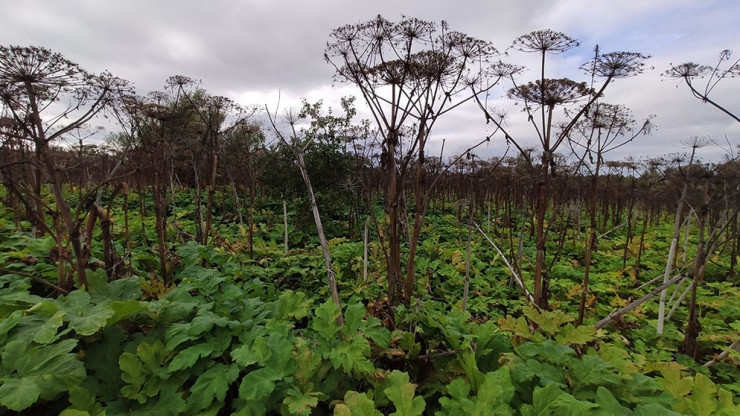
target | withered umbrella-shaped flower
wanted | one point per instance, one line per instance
(49, 96)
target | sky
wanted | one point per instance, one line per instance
(254, 51)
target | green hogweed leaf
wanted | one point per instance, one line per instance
(401, 393)
(356, 404)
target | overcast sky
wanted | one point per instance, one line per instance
(249, 50)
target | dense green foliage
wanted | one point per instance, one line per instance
(160, 274)
(238, 335)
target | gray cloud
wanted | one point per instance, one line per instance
(251, 49)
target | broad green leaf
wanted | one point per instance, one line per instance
(546, 350)
(9, 323)
(122, 310)
(262, 350)
(104, 379)
(451, 324)
(401, 393)
(97, 280)
(356, 404)
(325, 322)
(179, 305)
(518, 326)
(617, 357)
(653, 409)
(351, 356)
(544, 401)
(51, 368)
(167, 400)
(83, 401)
(310, 368)
(703, 400)
(187, 357)
(37, 358)
(41, 371)
(81, 398)
(220, 338)
(455, 406)
(640, 389)
(59, 375)
(16, 296)
(726, 406)
(19, 393)
(48, 331)
(301, 403)
(592, 370)
(31, 326)
(548, 321)
(281, 348)
(353, 319)
(74, 412)
(84, 317)
(490, 344)
(190, 253)
(204, 321)
(493, 396)
(176, 334)
(458, 388)
(212, 384)
(381, 336)
(138, 371)
(673, 383)
(45, 307)
(575, 335)
(77, 300)
(133, 370)
(122, 290)
(244, 355)
(151, 354)
(571, 406)
(470, 366)
(206, 280)
(608, 405)
(291, 305)
(487, 333)
(546, 372)
(40, 246)
(495, 393)
(14, 350)
(257, 384)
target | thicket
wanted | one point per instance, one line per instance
(176, 268)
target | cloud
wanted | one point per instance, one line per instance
(251, 49)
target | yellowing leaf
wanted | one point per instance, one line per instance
(673, 383)
(575, 335)
(618, 302)
(356, 404)
(573, 292)
(703, 400)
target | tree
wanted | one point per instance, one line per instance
(298, 141)
(328, 160)
(541, 98)
(215, 117)
(48, 96)
(410, 74)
